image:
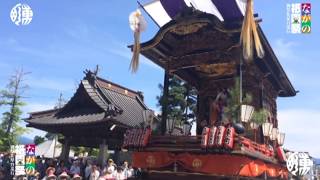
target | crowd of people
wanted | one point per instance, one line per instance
(77, 169)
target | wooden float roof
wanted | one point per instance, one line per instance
(96, 101)
(194, 39)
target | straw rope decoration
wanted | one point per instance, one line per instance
(249, 38)
(137, 25)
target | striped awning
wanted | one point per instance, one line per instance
(162, 11)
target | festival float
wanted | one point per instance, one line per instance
(219, 49)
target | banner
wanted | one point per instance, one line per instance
(22, 160)
(30, 165)
(19, 153)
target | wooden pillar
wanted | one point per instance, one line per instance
(102, 153)
(65, 149)
(200, 114)
(164, 114)
(116, 158)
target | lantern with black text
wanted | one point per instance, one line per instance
(220, 136)
(229, 138)
(205, 137)
(212, 136)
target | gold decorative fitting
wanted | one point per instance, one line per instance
(150, 160)
(197, 163)
(126, 92)
(188, 28)
(217, 69)
(109, 85)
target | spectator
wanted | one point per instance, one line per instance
(61, 168)
(107, 176)
(37, 176)
(50, 174)
(87, 170)
(111, 167)
(64, 176)
(76, 177)
(75, 168)
(82, 167)
(40, 167)
(127, 170)
(94, 175)
(119, 175)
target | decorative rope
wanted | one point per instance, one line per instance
(249, 38)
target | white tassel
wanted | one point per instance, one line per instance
(137, 25)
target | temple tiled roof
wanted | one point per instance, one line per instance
(95, 101)
(52, 119)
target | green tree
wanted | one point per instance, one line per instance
(81, 150)
(38, 140)
(181, 100)
(11, 97)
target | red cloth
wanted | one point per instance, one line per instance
(217, 164)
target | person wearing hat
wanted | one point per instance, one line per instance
(76, 177)
(50, 174)
(63, 176)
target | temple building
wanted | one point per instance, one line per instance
(96, 116)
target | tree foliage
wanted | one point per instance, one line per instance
(182, 100)
(82, 150)
(233, 108)
(38, 140)
(11, 98)
(259, 116)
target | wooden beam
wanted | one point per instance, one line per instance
(197, 59)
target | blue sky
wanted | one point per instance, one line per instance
(67, 37)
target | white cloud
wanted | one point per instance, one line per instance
(285, 49)
(36, 106)
(302, 129)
